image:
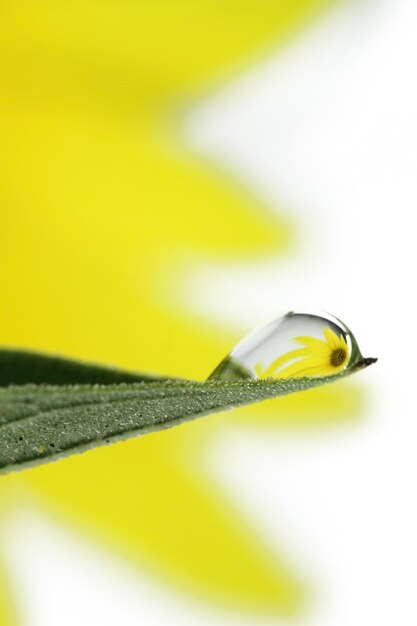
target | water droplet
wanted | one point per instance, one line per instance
(296, 345)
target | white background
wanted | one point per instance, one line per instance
(326, 130)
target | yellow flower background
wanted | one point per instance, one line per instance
(102, 212)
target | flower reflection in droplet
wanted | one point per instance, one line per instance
(296, 345)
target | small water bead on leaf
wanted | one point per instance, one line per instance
(296, 345)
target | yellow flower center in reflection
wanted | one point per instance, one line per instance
(317, 357)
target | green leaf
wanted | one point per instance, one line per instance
(48, 420)
(18, 367)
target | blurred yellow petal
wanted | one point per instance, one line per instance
(148, 501)
(8, 594)
(8, 615)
